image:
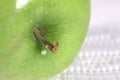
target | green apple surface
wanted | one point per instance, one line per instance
(22, 55)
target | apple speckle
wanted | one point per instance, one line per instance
(44, 52)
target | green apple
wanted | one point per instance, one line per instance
(28, 30)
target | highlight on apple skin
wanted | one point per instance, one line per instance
(40, 38)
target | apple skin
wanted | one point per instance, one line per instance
(21, 54)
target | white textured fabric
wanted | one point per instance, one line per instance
(99, 58)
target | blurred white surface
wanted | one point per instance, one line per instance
(105, 12)
(99, 58)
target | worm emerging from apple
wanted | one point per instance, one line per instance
(40, 38)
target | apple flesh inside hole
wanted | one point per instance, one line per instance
(27, 58)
